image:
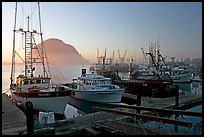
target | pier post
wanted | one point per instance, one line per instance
(177, 96)
(139, 102)
(29, 118)
(176, 106)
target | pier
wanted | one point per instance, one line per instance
(186, 100)
(110, 121)
(13, 120)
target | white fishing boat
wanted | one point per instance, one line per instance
(35, 83)
(196, 78)
(178, 74)
(96, 88)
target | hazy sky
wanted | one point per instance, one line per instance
(89, 26)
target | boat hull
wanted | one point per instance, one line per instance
(183, 78)
(99, 96)
(47, 102)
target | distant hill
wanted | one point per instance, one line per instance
(61, 53)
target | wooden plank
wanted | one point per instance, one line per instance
(184, 100)
(148, 117)
(163, 110)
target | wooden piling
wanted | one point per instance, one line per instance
(29, 118)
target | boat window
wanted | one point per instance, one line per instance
(106, 82)
(97, 82)
(47, 80)
(102, 82)
(94, 82)
(25, 82)
(32, 81)
(43, 81)
(89, 82)
(38, 81)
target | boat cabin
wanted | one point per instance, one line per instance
(94, 79)
(32, 83)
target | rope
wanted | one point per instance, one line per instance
(23, 10)
(5, 91)
(57, 71)
(33, 10)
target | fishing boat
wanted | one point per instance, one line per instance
(35, 83)
(196, 78)
(158, 66)
(96, 88)
(178, 74)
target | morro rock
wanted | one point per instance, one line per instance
(60, 53)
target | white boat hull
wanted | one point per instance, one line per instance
(99, 96)
(196, 79)
(183, 78)
(56, 104)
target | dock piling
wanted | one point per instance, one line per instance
(176, 105)
(177, 96)
(29, 118)
(139, 102)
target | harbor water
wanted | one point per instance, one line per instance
(76, 107)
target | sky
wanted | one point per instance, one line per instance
(130, 26)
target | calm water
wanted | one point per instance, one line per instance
(77, 107)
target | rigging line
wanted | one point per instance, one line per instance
(22, 9)
(58, 72)
(33, 10)
(19, 56)
(57, 69)
(5, 91)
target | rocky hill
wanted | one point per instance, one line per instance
(61, 53)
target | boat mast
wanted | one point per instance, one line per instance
(41, 40)
(42, 48)
(29, 46)
(13, 53)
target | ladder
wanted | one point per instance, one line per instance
(28, 54)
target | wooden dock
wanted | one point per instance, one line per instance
(13, 120)
(86, 121)
(184, 100)
(99, 123)
(69, 125)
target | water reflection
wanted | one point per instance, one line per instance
(85, 106)
(179, 129)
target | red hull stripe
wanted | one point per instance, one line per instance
(42, 94)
